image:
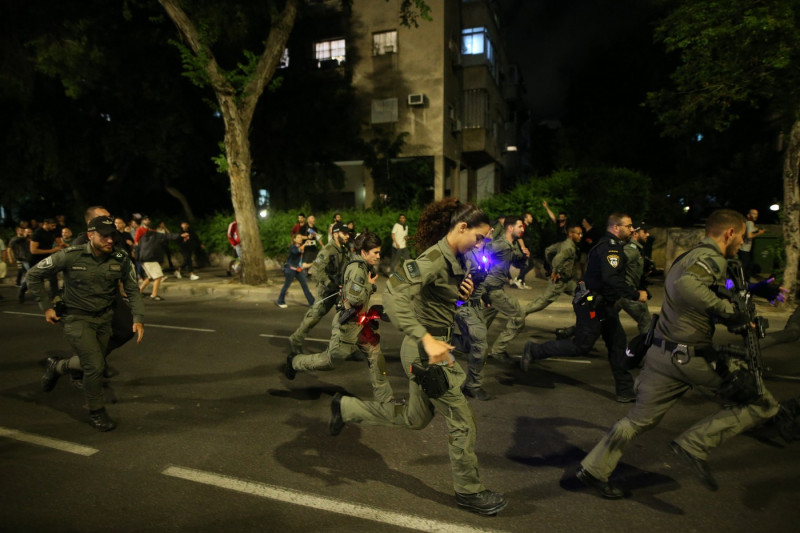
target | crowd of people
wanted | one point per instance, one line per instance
(444, 301)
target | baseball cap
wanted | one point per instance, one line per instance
(102, 225)
(339, 227)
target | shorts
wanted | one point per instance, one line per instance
(153, 270)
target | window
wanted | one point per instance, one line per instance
(327, 52)
(384, 111)
(476, 108)
(384, 42)
(475, 41)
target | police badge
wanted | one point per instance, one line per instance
(613, 260)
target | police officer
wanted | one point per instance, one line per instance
(503, 252)
(635, 277)
(596, 312)
(681, 358)
(352, 329)
(471, 321)
(328, 270)
(92, 273)
(562, 257)
(421, 301)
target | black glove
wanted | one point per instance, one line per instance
(767, 290)
(738, 323)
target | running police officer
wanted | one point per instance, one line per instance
(681, 358)
(562, 257)
(92, 273)
(595, 309)
(328, 271)
(635, 277)
(352, 327)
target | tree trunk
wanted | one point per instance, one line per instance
(178, 195)
(791, 209)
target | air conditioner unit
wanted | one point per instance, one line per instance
(416, 99)
(455, 126)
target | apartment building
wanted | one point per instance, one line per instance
(446, 84)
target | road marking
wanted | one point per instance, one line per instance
(575, 361)
(180, 327)
(48, 442)
(321, 503)
(41, 315)
(287, 336)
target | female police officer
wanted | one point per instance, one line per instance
(421, 301)
(351, 330)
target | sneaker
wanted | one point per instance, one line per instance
(101, 421)
(484, 503)
(51, 375)
(156, 298)
(523, 285)
(194, 277)
(178, 274)
(282, 306)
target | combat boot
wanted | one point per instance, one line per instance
(484, 503)
(699, 466)
(51, 375)
(100, 420)
(528, 356)
(289, 370)
(336, 423)
(476, 392)
(603, 488)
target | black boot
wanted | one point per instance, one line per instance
(336, 423)
(485, 503)
(100, 420)
(51, 375)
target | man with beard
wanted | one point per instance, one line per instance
(92, 274)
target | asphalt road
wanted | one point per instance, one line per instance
(212, 437)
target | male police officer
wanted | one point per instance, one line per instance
(562, 257)
(635, 277)
(682, 357)
(328, 272)
(92, 274)
(596, 313)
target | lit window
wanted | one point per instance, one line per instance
(472, 41)
(384, 42)
(333, 50)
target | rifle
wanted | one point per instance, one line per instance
(742, 299)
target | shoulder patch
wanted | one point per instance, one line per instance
(119, 255)
(613, 260)
(434, 254)
(612, 241)
(412, 269)
(47, 261)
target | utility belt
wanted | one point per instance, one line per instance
(81, 312)
(683, 353)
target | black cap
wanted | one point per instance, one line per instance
(339, 227)
(102, 225)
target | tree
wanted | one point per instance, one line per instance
(735, 56)
(237, 92)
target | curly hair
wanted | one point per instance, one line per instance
(366, 240)
(442, 216)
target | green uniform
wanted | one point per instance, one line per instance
(471, 321)
(634, 269)
(91, 284)
(328, 269)
(686, 318)
(420, 299)
(563, 256)
(347, 338)
(503, 252)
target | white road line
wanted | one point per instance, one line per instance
(574, 361)
(179, 327)
(321, 503)
(41, 315)
(287, 336)
(48, 442)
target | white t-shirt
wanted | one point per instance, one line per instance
(747, 245)
(400, 233)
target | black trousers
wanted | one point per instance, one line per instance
(591, 323)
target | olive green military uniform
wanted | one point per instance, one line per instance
(503, 252)
(347, 338)
(328, 269)
(564, 254)
(420, 299)
(686, 318)
(634, 269)
(91, 284)
(472, 329)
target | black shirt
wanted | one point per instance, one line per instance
(605, 270)
(46, 240)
